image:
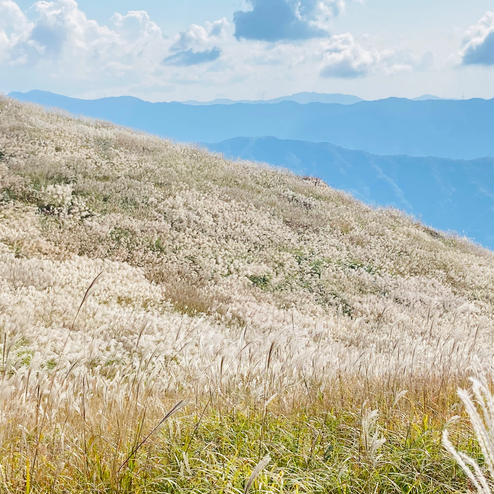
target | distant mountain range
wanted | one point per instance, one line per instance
(457, 129)
(425, 97)
(302, 98)
(452, 195)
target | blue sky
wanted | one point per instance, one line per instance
(193, 49)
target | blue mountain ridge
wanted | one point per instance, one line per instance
(457, 129)
(303, 98)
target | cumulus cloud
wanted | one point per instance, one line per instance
(344, 57)
(56, 45)
(60, 31)
(12, 18)
(197, 45)
(59, 27)
(13, 28)
(478, 44)
(137, 26)
(196, 37)
(285, 20)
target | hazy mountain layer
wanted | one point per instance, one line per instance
(459, 129)
(303, 98)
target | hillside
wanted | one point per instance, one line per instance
(456, 129)
(279, 308)
(451, 195)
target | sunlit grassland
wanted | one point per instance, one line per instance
(285, 317)
(213, 448)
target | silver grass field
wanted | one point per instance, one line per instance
(174, 322)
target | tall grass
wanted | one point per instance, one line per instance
(289, 319)
(480, 409)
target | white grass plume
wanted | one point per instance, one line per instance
(257, 470)
(480, 409)
(371, 438)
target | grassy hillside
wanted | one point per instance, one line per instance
(136, 273)
(451, 195)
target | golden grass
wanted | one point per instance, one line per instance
(284, 312)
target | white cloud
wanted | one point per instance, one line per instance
(55, 46)
(59, 31)
(60, 28)
(136, 24)
(13, 28)
(12, 20)
(478, 44)
(344, 57)
(201, 37)
(321, 12)
(199, 44)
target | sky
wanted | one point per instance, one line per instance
(161, 50)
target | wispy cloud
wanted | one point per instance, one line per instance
(191, 57)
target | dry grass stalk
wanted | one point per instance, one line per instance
(480, 410)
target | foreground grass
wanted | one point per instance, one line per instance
(214, 449)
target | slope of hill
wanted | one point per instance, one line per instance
(458, 129)
(136, 272)
(452, 195)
